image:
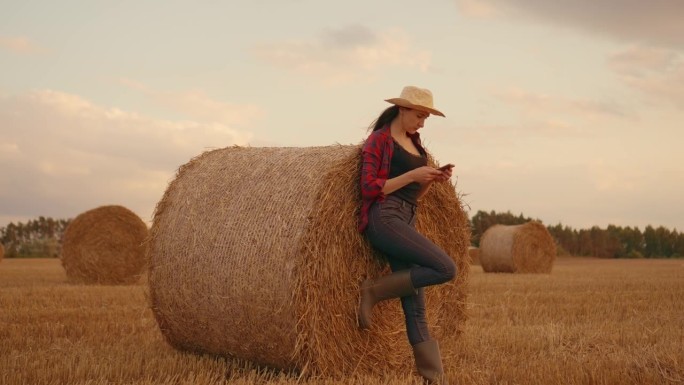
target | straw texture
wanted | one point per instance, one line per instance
(526, 248)
(105, 245)
(255, 254)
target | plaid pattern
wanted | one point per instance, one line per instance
(376, 160)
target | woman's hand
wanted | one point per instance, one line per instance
(425, 174)
(444, 175)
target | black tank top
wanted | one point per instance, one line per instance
(402, 162)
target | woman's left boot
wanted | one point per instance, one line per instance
(393, 285)
(429, 362)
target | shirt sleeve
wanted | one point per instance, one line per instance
(371, 185)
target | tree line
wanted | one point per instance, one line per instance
(42, 237)
(611, 242)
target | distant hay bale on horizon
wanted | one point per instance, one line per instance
(526, 248)
(255, 254)
(474, 254)
(105, 245)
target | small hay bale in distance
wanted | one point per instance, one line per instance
(255, 254)
(105, 245)
(526, 248)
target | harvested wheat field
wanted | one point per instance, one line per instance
(590, 322)
(268, 269)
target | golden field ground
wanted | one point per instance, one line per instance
(589, 322)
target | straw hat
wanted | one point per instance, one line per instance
(416, 98)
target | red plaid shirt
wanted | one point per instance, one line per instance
(376, 160)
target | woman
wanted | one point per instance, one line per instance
(394, 176)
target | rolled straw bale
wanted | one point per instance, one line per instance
(474, 253)
(105, 245)
(526, 248)
(255, 254)
(2, 252)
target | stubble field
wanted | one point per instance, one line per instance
(589, 322)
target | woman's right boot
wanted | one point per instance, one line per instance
(429, 362)
(393, 285)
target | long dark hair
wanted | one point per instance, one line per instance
(385, 118)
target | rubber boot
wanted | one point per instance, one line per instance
(393, 285)
(429, 362)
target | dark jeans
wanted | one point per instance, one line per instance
(391, 231)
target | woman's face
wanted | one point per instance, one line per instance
(413, 120)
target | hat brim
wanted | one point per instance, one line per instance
(405, 103)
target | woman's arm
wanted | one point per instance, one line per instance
(373, 186)
(441, 177)
(424, 175)
(398, 182)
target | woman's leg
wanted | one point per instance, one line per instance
(389, 230)
(414, 309)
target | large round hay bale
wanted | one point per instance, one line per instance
(2, 252)
(526, 248)
(105, 245)
(255, 254)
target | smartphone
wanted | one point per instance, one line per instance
(445, 167)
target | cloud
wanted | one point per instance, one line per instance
(60, 154)
(594, 192)
(610, 177)
(654, 62)
(19, 45)
(197, 105)
(656, 22)
(538, 115)
(349, 36)
(658, 73)
(476, 8)
(536, 103)
(345, 54)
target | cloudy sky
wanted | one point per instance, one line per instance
(567, 111)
